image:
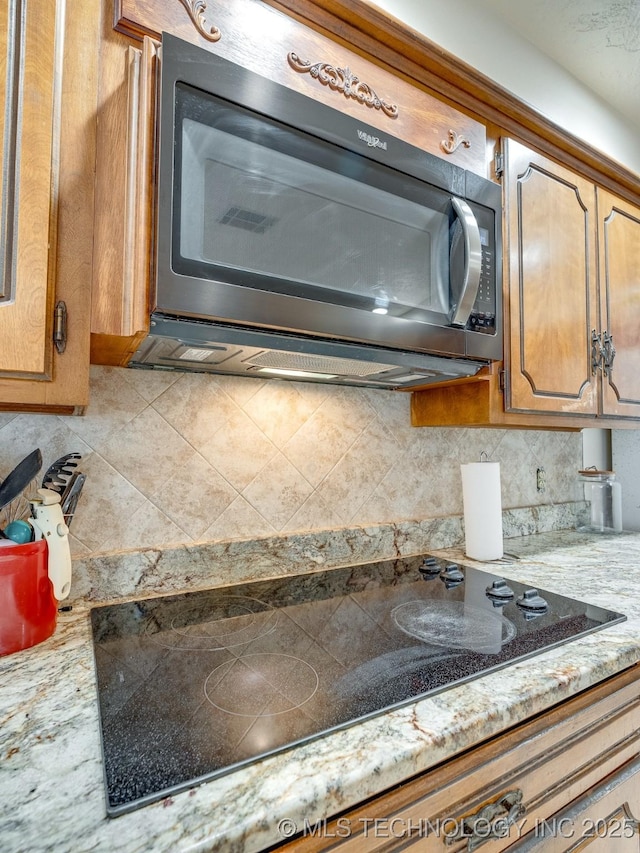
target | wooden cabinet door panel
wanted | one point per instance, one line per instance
(619, 246)
(550, 217)
(54, 226)
(28, 116)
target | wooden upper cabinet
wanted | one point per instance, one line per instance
(619, 249)
(48, 71)
(550, 216)
(573, 281)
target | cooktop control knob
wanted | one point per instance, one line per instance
(451, 574)
(500, 591)
(531, 602)
(429, 566)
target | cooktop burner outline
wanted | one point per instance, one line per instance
(274, 671)
(315, 653)
(454, 624)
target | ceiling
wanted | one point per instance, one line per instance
(597, 41)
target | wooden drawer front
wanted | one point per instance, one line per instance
(541, 766)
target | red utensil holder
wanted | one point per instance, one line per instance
(28, 608)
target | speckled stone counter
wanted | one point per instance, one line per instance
(51, 783)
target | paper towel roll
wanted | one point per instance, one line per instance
(482, 510)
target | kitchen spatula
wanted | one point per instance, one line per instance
(58, 476)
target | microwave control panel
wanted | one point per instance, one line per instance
(483, 315)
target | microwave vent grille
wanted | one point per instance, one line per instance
(280, 360)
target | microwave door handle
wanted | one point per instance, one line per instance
(473, 263)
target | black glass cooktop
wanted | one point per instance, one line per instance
(193, 686)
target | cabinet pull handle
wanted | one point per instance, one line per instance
(492, 821)
(597, 352)
(608, 353)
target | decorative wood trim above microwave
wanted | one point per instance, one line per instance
(453, 141)
(258, 36)
(197, 10)
(342, 80)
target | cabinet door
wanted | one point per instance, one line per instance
(619, 248)
(551, 283)
(28, 115)
(49, 53)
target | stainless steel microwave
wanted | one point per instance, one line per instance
(294, 240)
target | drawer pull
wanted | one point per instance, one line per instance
(492, 821)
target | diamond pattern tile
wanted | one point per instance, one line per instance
(327, 435)
(147, 451)
(196, 407)
(278, 491)
(240, 451)
(194, 496)
(280, 410)
(180, 458)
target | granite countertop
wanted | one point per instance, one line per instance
(51, 777)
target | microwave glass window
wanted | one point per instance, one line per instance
(247, 201)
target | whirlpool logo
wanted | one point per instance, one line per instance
(372, 141)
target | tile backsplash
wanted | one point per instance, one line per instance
(178, 458)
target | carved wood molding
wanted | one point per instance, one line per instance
(197, 10)
(342, 80)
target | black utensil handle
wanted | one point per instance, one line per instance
(24, 472)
